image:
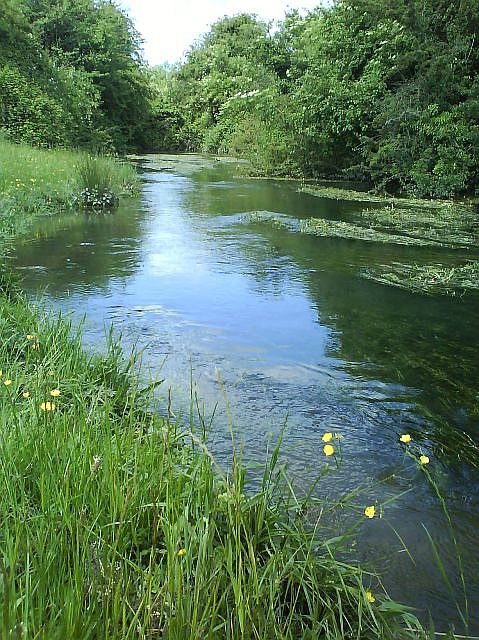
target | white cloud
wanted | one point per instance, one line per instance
(168, 29)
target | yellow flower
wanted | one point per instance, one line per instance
(370, 512)
(327, 437)
(30, 337)
(405, 438)
(1, 373)
(7, 383)
(47, 406)
(328, 449)
(35, 345)
(26, 394)
(423, 460)
(182, 552)
(370, 598)
(51, 373)
(55, 393)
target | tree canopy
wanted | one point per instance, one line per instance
(382, 90)
(71, 73)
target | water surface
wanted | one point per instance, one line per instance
(298, 338)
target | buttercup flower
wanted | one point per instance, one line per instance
(182, 552)
(47, 406)
(26, 394)
(405, 438)
(423, 460)
(35, 345)
(55, 393)
(30, 337)
(370, 512)
(7, 383)
(328, 449)
(327, 437)
(369, 596)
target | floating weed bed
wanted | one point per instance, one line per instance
(452, 225)
(335, 193)
(427, 279)
(272, 218)
(338, 229)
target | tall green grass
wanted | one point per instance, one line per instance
(117, 523)
(35, 182)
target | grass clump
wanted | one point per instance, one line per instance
(103, 181)
(36, 182)
(117, 523)
(427, 279)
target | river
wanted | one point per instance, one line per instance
(300, 341)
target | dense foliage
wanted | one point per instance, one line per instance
(71, 74)
(379, 90)
(383, 90)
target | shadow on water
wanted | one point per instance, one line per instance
(297, 336)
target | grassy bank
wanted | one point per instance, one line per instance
(36, 182)
(118, 524)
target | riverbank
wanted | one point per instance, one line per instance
(117, 521)
(37, 182)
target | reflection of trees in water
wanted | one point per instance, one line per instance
(429, 344)
(82, 249)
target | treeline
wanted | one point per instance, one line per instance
(71, 74)
(385, 91)
(381, 90)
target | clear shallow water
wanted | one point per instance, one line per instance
(297, 336)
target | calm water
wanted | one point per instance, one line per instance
(298, 338)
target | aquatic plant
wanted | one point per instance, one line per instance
(428, 278)
(336, 193)
(339, 229)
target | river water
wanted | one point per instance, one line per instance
(301, 342)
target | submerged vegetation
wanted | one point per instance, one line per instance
(339, 229)
(427, 279)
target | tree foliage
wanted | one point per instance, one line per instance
(383, 90)
(79, 60)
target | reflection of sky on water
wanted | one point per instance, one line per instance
(297, 337)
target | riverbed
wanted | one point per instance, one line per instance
(283, 326)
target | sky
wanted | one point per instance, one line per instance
(169, 28)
